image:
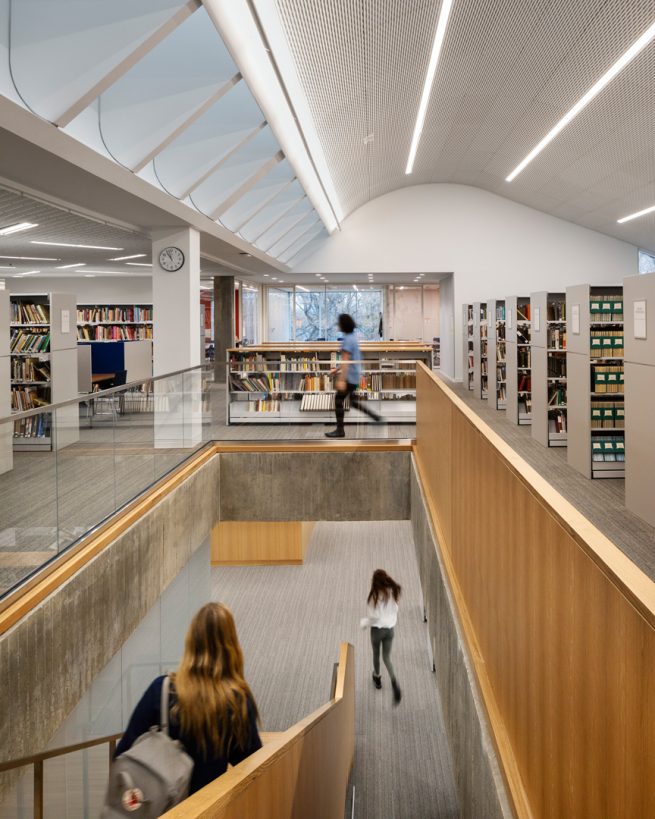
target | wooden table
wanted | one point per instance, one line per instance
(98, 378)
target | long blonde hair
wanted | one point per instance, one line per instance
(212, 694)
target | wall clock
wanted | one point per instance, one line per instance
(171, 259)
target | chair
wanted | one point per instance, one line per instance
(116, 401)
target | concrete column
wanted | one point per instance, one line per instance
(176, 309)
(223, 321)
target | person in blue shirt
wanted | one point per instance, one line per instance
(347, 376)
(212, 709)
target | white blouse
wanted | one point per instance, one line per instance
(384, 615)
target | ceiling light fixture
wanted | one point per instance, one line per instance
(124, 258)
(25, 273)
(17, 228)
(138, 264)
(67, 266)
(31, 258)
(111, 272)
(636, 215)
(582, 103)
(69, 244)
(89, 275)
(446, 5)
(300, 287)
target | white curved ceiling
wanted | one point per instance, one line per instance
(508, 71)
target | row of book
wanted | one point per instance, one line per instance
(116, 332)
(36, 426)
(607, 343)
(556, 311)
(556, 396)
(557, 422)
(501, 371)
(607, 378)
(607, 308)
(524, 382)
(469, 313)
(523, 357)
(556, 366)
(607, 415)
(27, 398)
(264, 405)
(30, 369)
(500, 333)
(525, 407)
(500, 312)
(501, 392)
(523, 312)
(317, 402)
(28, 313)
(262, 382)
(556, 338)
(29, 342)
(608, 449)
(134, 314)
(523, 334)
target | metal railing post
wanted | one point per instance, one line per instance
(38, 789)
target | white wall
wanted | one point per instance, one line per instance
(100, 290)
(493, 247)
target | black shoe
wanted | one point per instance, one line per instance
(397, 693)
(336, 433)
(377, 680)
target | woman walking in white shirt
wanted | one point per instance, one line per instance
(382, 605)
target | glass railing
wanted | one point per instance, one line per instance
(65, 468)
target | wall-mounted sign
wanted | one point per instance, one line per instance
(537, 320)
(639, 318)
(65, 321)
(575, 319)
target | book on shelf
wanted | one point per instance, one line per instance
(557, 421)
(524, 357)
(556, 311)
(525, 406)
(523, 335)
(264, 405)
(106, 314)
(33, 341)
(27, 398)
(523, 312)
(607, 415)
(610, 448)
(500, 312)
(524, 382)
(318, 402)
(606, 343)
(607, 308)
(114, 332)
(556, 366)
(36, 426)
(556, 396)
(501, 392)
(556, 338)
(30, 369)
(29, 313)
(607, 378)
(469, 313)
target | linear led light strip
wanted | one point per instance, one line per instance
(582, 103)
(429, 80)
(636, 215)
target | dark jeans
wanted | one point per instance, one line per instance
(340, 398)
(382, 637)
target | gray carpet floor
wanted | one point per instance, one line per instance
(601, 501)
(291, 620)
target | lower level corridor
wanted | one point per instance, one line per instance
(291, 620)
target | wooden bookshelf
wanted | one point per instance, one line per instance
(114, 322)
(519, 366)
(548, 354)
(292, 384)
(595, 385)
(43, 367)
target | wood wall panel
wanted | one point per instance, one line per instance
(559, 623)
(259, 542)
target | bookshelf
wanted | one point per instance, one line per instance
(548, 355)
(468, 362)
(497, 354)
(595, 388)
(6, 431)
(519, 367)
(291, 383)
(114, 322)
(480, 348)
(43, 348)
(639, 301)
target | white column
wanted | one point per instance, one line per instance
(176, 329)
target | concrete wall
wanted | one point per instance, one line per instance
(315, 486)
(51, 657)
(480, 784)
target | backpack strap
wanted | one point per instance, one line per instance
(163, 710)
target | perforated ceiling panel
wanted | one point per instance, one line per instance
(508, 71)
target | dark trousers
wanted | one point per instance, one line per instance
(382, 637)
(340, 399)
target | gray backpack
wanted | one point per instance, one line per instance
(152, 776)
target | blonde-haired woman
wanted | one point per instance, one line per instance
(212, 709)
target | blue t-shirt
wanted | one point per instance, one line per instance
(350, 345)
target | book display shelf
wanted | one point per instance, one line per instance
(639, 301)
(292, 384)
(43, 350)
(548, 355)
(114, 322)
(481, 375)
(595, 386)
(519, 360)
(6, 432)
(497, 351)
(468, 362)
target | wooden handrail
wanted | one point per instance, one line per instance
(62, 751)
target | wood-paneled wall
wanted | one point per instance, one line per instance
(298, 774)
(559, 623)
(256, 542)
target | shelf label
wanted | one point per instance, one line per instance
(65, 321)
(639, 318)
(509, 319)
(575, 319)
(537, 320)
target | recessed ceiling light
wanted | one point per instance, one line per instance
(582, 103)
(25, 273)
(429, 79)
(66, 266)
(111, 272)
(266, 276)
(89, 275)
(17, 228)
(138, 264)
(636, 215)
(69, 244)
(124, 258)
(7, 266)
(31, 258)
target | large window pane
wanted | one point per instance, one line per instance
(280, 314)
(310, 314)
(250, 307)
(364, 305)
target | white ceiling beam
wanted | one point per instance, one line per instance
(215, 97)
(232, 151)
(262, 205)
(245, 187)
(287, 231)
(124, 66)
(286, 210)
(308, 238)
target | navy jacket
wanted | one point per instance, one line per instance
(205, 769)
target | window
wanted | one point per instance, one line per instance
(250, 318)
(365, 305)
(280, 313)
(646, 262)
(310, 314)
